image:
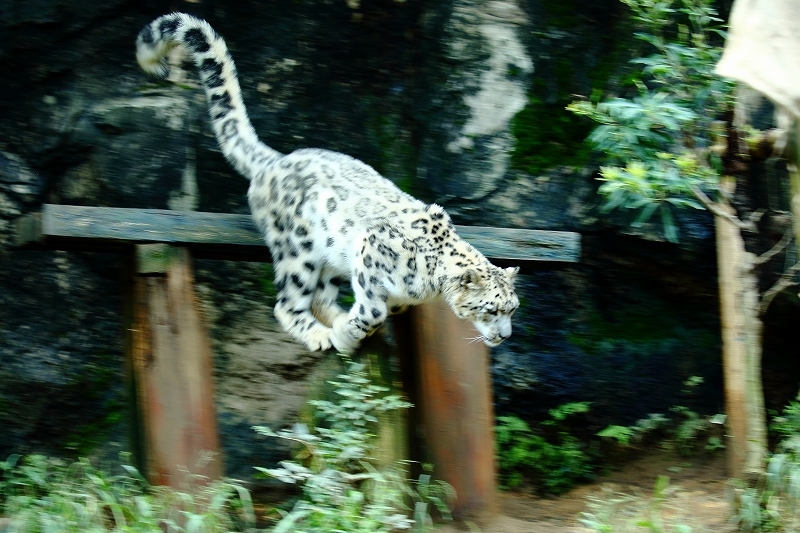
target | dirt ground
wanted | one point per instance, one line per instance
(696, 496)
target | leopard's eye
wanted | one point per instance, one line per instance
(490, 309)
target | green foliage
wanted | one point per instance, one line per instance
(656, 144)
(787, 424)
(553, 465)
(547, 135)
(346, 299)
(575, 53)
(692, 429)
(628, 435)
(267, 281)
(774, 503)
(623, 513)
(393, 154)
(44, 495)
(691, 426)
(621, 434)
(563, 411)
(342, 488)
(687, 429)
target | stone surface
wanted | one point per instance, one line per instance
(484, 38)
(61, 387)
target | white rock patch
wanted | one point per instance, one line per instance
(502, 91)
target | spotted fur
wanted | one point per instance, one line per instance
(326, 217)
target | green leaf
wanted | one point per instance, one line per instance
(615, 199)
(670, 230)
(645, 215)
(621, 434)
(687, 202)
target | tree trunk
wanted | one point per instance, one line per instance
(792, 162)
(741, 350)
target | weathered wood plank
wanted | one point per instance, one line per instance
(231, 236)
(112, 229)
(523, 244)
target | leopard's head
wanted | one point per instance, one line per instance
(485, 296)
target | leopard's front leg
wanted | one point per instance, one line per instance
(324, 304)
(369, 310)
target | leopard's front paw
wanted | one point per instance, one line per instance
(318, 339)
(341, 335)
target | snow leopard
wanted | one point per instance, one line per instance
(327, 217)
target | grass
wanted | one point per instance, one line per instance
(41, 495)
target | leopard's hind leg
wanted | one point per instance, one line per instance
(296, 281)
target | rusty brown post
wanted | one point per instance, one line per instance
(454, 406)
(171, 368)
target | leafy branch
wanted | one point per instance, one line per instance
(656, 145)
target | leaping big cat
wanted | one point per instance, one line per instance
(327, 216)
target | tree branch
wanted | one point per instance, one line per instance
(783, 243)
(717, 211)
(783, 283)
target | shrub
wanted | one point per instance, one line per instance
(342, 488)
(773, 504)
(686, 433)
(662, 512)
(553, 465)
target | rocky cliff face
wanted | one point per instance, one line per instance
(441, 96)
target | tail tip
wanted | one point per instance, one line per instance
(155, 41)
(152, 61)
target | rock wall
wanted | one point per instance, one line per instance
(458, 101)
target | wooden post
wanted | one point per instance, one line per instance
(454, 402)
(392, 439)
(171, 368)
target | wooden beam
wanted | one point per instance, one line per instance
(111, 229)
(228, 236)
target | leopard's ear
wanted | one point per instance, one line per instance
(471, 279)
(512, 272)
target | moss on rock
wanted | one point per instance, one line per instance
(548, 135)
(581, 51)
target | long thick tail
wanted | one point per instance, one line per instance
(229, 119)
